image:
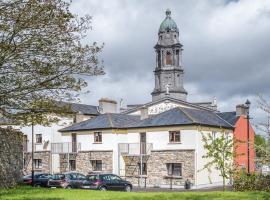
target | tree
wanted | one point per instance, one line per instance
(264, 128)
(42, 58)
(260, 146)
(219, 154)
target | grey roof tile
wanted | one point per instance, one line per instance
(104, 121)
(229, 117)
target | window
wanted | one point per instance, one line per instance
(168, 58)
(39, 138)
(38, 163)
(174, 136)
(72, 165)
(144, 169)
(174, 169)
(97, 137)
(214, 135)
(96, 165)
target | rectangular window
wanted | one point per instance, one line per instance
(38, 163)
(97, 137)
(144, 168)
(96, 165)
(72, 165)
(174, 169)
(214, 135)
(174, 136)
(39, 138)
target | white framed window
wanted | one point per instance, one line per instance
(174, 136)
(38, 163)
(96, 165)
(174, 169)
(97, 137)
(214, 135)
(38, 138)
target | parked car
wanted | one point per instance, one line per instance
(40, 179)
(69, 180)
(108, 182)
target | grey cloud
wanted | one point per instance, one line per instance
(226, 47)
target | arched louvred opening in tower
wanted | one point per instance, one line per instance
(168, 58)
(177, 57)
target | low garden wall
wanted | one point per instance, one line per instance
(11, 157)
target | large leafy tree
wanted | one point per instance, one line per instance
(42, 58)
(219, 154)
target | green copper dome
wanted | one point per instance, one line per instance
(168, 23)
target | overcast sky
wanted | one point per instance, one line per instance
(226, 48)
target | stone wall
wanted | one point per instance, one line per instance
(64, 159)
(157, 174)
(83, 161)
(45, 156)
(11, 157)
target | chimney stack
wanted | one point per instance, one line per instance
(241, 110)
(107, 106)
(144, 113)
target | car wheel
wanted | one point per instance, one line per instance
(103, 188)
(128, 188)
(68, 187)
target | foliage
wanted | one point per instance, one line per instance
(260, 146)
(252, 182)
(49, 194)
(42, 58)
(219, 154)
(263, 147)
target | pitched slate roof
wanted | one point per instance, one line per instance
(183, 116)
(229, 117)
(104, 121)
(175, 116)
(82, 108)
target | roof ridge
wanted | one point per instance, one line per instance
(110, 119)
(191, 118)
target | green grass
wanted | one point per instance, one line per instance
(26, 193)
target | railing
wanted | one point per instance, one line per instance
(27, 147)
(135, 148)
(65, 147)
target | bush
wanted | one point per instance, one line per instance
(252, 182)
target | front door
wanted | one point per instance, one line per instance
(143, 143)
(74, 142)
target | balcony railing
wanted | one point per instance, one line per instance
(27, 147)
(65, 147)
(135, 148)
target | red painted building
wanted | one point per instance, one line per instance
(240, 122)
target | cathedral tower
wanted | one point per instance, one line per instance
(169, 71)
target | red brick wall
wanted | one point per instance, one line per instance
(241, 148)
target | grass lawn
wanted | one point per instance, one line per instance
(57, 194)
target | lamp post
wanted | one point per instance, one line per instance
(248, 140)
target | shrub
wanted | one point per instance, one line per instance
(252, 182)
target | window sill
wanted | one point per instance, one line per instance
(173, 177)
(97, 142)
(175, 143)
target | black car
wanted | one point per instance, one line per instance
(69, 180)
(108, 182)
(40, 179)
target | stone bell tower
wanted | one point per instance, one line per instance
(169, 72)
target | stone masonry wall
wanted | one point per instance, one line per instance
(157, 174)
(11, 157)
(45, 156)
(83, 161)
(64, 158)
